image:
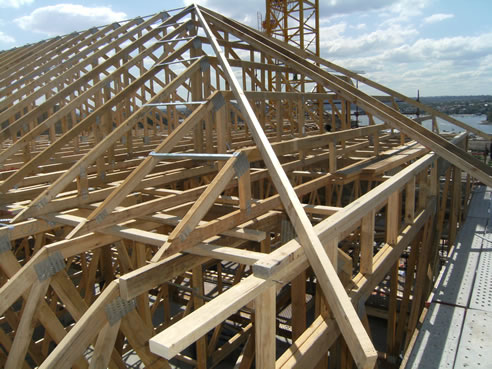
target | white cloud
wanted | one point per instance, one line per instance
(247, 11)
(335, 7)
(385, 39)
(65, 18)
(409, 8)
(14, 3)
(359, 26)
(439, 54)
(436, 66)
(434, 18)
(454, 48)
(6, 38)
(243, 11)
(394, 11)
(486, 64)
(335, 44)
(333, 31)
(402, 11)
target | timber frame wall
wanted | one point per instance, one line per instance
(169, 190)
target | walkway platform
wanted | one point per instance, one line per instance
(457, 330)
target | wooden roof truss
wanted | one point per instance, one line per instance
(134, 155)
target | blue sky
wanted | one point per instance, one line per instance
(442, 47)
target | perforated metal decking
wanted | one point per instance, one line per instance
(457, 330)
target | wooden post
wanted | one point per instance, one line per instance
(279, 116)
(332, 146)
(405, 304)
(391, 323)
(410, 201)
(367, 243)
(423, 190)
(455, 205)
(201, 343)
(265, 329)
(419, 293)
(393, 218)
(298, 298)
(143, 303)
(300, 118)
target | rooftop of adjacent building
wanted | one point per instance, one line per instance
(457, 329)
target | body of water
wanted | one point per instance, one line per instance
(444, 126)
(473, 120)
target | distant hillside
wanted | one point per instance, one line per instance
(451, 99)
(481, 104)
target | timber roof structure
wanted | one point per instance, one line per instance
(186, 189)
